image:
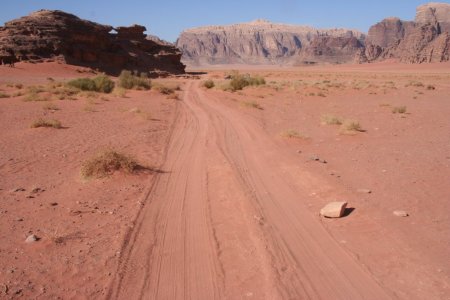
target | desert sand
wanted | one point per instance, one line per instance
(229, 206)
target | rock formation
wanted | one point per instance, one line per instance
(262, 42)
(57, 35)
(424, 40)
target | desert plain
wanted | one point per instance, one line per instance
(225, 202)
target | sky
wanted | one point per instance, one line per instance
(168, 18)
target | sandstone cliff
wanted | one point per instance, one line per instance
(424, 40)
(57, 35)
(262, 42)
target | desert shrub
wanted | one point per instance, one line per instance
(399, 110)
(239, 81)
(331, 120)
(209, 84)
(106, 162)
(34, 96)
(84, 84)
(4, 95)
(128, 81)
(101, 83)
(46, 123)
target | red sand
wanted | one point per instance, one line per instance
(234, 212)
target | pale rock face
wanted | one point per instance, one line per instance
(258, 42)
(433, 12)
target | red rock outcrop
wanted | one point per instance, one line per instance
(57, 35)
(424, 40)
(331, 49)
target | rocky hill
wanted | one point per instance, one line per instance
(56, 35)
(262, 42)
(426, 39)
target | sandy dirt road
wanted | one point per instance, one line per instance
(226, 219)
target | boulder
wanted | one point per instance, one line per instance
(334, 210)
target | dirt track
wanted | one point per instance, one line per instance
(226, 219)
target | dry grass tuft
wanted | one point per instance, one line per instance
(351, 127)
(399, 110)
(4, 95)
(50, 106)
(46, 123)
(331, 120)
(251, 104)
(292, 134)
(107, 162)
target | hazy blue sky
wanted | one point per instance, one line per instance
(167, 18)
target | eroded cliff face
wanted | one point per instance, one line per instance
(426, 39)
(259, 42)
(56, 35)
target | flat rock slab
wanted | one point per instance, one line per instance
(333, 210)
(400, 213)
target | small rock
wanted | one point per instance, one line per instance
(364, 191)
(299, 151)
(400, 213)
(36, 190)
(19, 220)
(333, 210)
(19, 190)
(54, 203)
(31, 239)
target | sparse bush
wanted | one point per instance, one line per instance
(399, 110)
(239, 81)
(84, 84)
(101, 83)
(106, 162)
(331, 120)
(128, 81)
(34, 96)
(209, 84)
(164, 89)
(46, 123)
(4, 95)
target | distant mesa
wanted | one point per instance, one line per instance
(263, 42)
(56, 35)
(426, 39)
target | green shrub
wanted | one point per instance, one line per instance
(128, 81)
(84, 84)
(101, 83)
(239, 81)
